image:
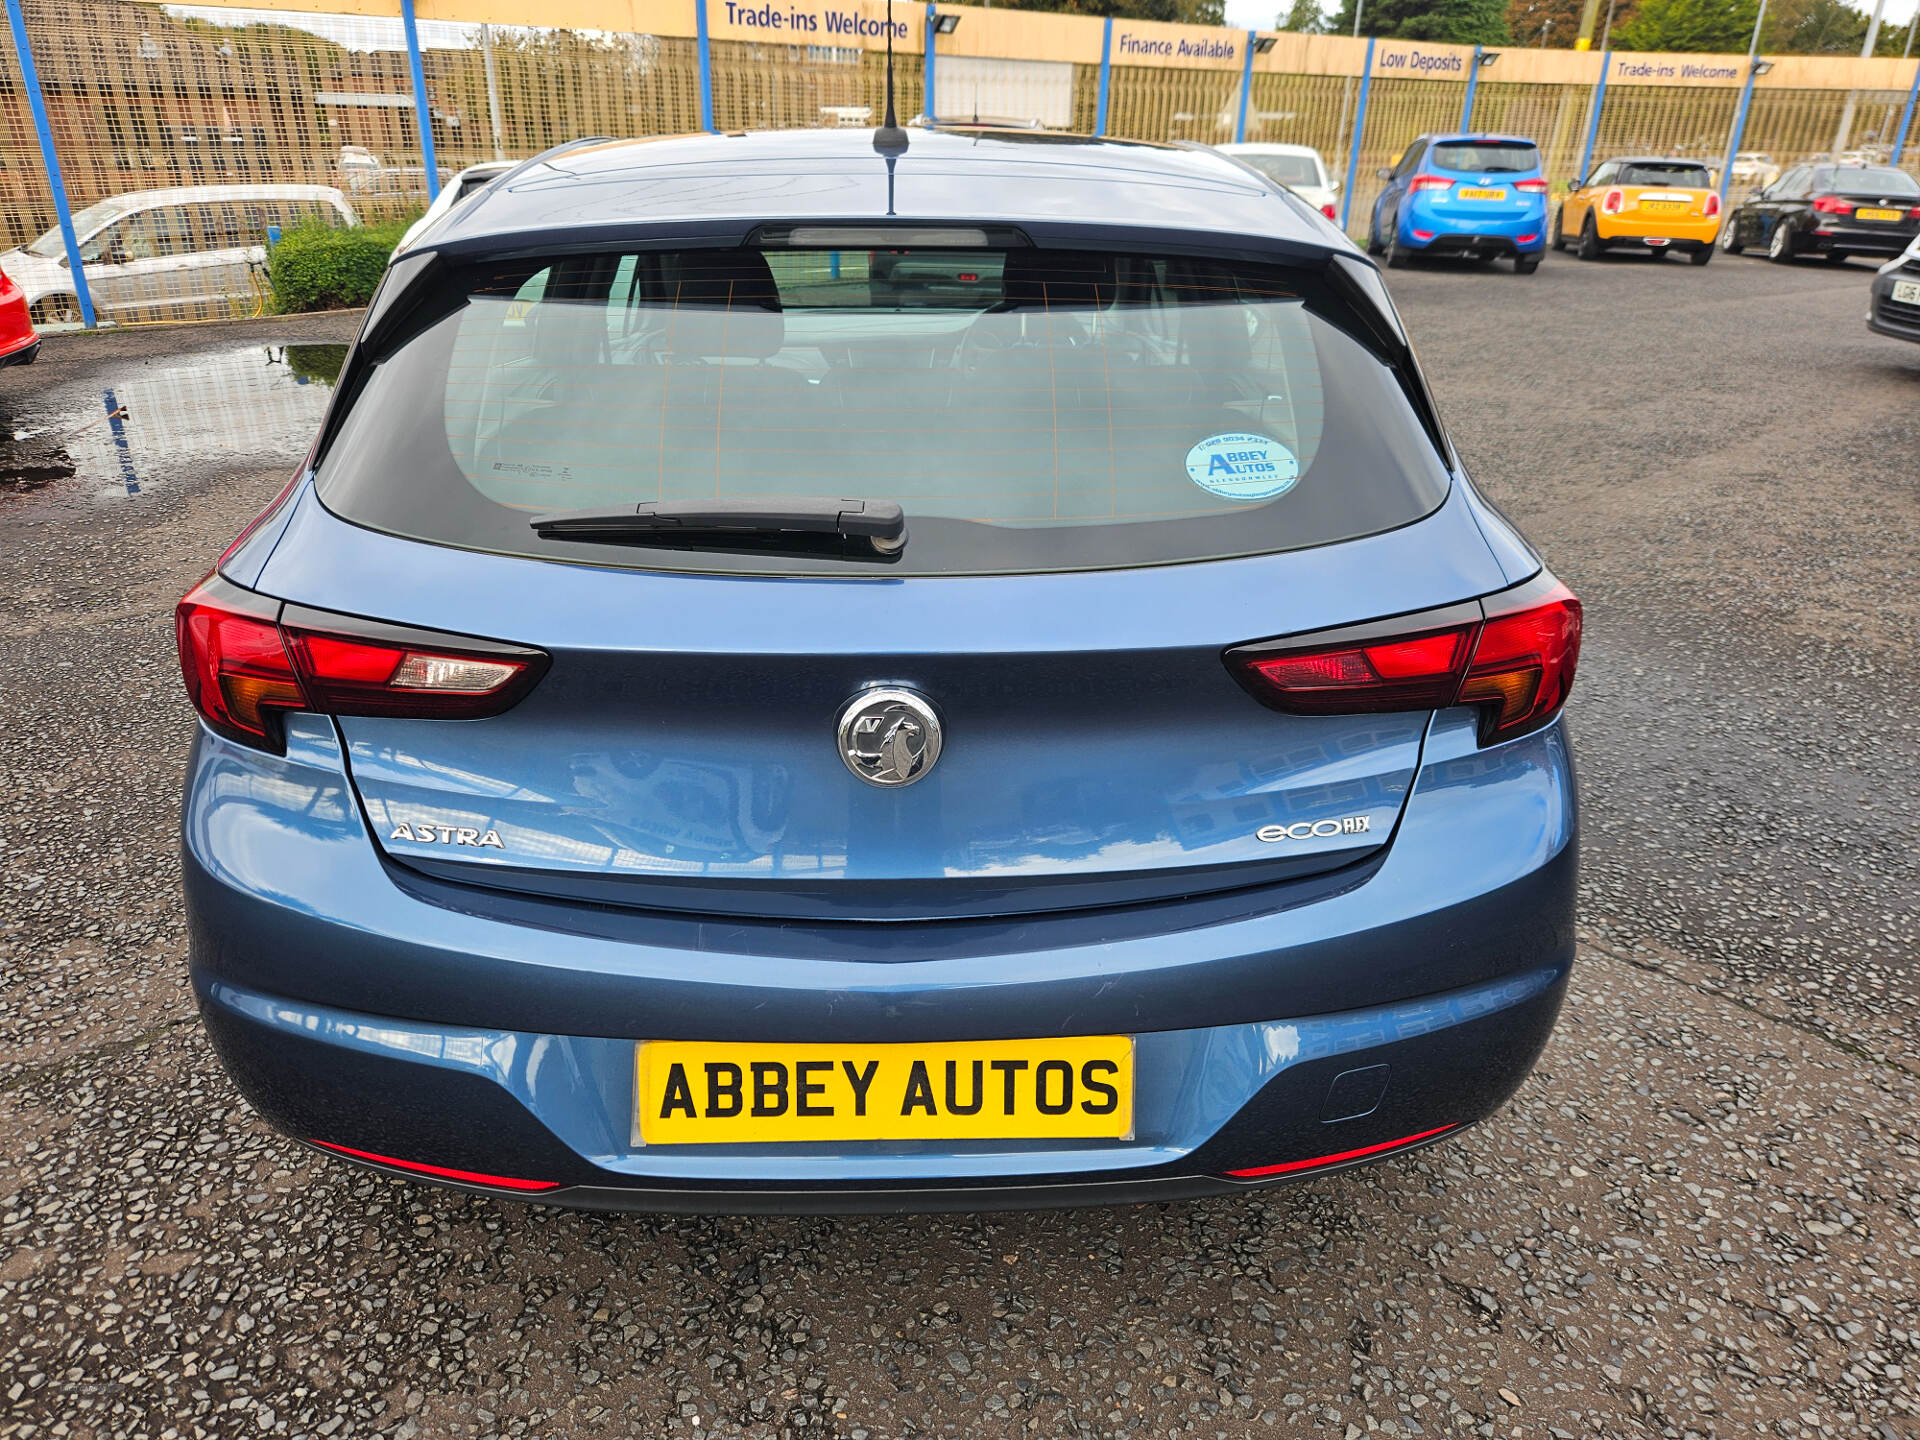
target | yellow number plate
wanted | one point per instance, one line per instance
(696, 1092)
(1664, 207)
(1469, 193)
(1881, 214)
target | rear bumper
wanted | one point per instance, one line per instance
(1852, 242)
(358, 1009)
(19, 350)
(1479, 235)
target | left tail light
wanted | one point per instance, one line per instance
(1512, 656)
(247, 660)
(1833, 205)
(1428, 182)
(1329, 211)
(1614, 201)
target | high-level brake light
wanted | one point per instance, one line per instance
(247, 661)
(1513, 656)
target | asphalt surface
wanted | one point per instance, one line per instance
(1697, 1218)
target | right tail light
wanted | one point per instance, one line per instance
(1512, 656)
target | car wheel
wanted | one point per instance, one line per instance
(1730, 237)
(56, 310)
(1780, 245)
(1396, 253)
(1374, 247)
(1525, 264)
(1559, 240)
(1589, 248)
(1702, 255)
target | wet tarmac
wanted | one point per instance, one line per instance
(115, 434)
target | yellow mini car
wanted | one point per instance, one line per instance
(1644, 203)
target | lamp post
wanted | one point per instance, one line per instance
(1481, 59)
(1755, 69)
(1346, 91)
(937, 24)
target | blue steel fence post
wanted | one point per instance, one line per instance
(1359, 124)
(926, 70)
(1739, 129)
(705, 49)
(1246, 91)
(1593, 120)
(30, 81)
(1106, 75)
(1906, 119)
(422, 109)
(1473, 82)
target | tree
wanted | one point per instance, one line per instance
(1456, 22)
(1719, 26)
(1558, 19)
(1305, 18)
(1813, 27)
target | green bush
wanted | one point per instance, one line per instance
(318, 267)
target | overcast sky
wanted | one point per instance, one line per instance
(1261, 14)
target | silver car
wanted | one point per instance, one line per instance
(189, 253)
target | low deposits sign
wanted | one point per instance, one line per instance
(1408, 60)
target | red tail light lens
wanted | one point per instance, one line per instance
(1713, 205)
(1512, 655)
(1531, 187)
(1614, 201)
(1329, 211)
(1833, 205)
(236, 668)
(1523, 666)
(247, 659)
(1415, 672)
(1428, 182)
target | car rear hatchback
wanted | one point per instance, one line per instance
(794, 678)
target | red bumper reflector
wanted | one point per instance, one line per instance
(499, 1182)
(1321, 1160)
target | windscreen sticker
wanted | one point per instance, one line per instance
(1242, 467)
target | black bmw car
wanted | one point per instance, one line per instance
(1832, 210)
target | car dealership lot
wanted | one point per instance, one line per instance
(1697, 1217)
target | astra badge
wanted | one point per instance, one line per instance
(447, 835)
(1315, 830)
(889, 737)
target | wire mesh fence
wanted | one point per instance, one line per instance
(192, 136)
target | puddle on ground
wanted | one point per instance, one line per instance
(259, 402)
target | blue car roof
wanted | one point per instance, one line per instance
(728, 183)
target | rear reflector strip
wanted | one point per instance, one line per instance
(1324, 1160)
(470, 1177)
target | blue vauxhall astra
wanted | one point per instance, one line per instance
(808, 671)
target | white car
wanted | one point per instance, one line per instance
(190, 253)
(1298, 167)
(469, 181)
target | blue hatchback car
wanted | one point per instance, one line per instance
(802, 673)
(1473, 197)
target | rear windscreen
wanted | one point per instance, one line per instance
(1029, 409)
(1875, 180)
(1487, 157)
(1287, 169)
(1684, 176)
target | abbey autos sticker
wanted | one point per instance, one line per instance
(1239, 466)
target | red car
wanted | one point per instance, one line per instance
(18, 342)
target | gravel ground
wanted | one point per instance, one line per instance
(1698, 1218)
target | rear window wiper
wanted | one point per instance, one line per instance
(790, 522)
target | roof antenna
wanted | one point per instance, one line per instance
(890, 136)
